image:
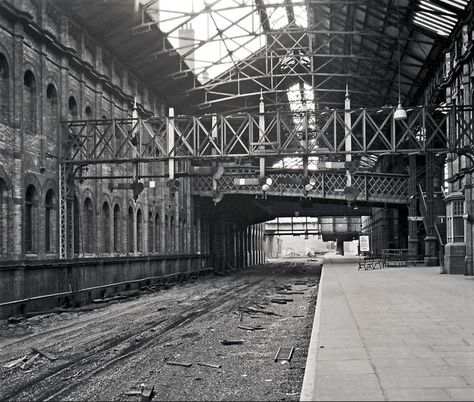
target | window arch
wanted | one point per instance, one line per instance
(88, 233)
(172, 235)
(90, 129)
(165, 238)
(106, 226)
(130, 238)
(76, 226)
(157, 232)
(89, 113)
(117, 229)
(49, 221)
(151, 232)
(51, 111)
(31, 218)
(29, 101)
(139, 231)
(4, 89)
(72, 108)
(4, 218)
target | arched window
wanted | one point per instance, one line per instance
(130, 239)
(31, 218)
(90, 130)
(4, 89)
(51, 111)
(117, 228)
(72, 108)
(89, 114)
(172, 235)
(106, 226)
(29, 101)
(157, 232)
(4, 218)
(151, 232)
(139, 231)
(49, 222)
(166, 241)
(76, 226)
(88, 233)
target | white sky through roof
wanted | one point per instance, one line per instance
(225, 33)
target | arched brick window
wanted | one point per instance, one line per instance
(90, 129)
(106, 226)
(172, 235)
(29, 101)
(31, 219)
(157, 232)
(167, 233)
(49, 222)
(51, 111)
(151, 232)
(76, 226)
(117, 229)
(72, 108)
(130, 238)
(4, 218)
(139, 231)
(4, 90)
(88, 231)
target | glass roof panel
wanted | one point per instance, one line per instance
(436, 18)
(214, 35)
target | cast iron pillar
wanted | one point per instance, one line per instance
(431, 258)
(468, 235)
(412, 208)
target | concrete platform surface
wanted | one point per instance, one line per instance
(391, 334)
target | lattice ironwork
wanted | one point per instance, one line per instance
(315, 133)
(386, 188)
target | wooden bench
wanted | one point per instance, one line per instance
(370, 262)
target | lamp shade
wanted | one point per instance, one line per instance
(400, 113)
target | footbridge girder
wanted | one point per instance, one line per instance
(245, 136)
(330, 185)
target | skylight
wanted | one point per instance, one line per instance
(439, 17)
(214, 35)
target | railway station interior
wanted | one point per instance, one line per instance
(147, 142)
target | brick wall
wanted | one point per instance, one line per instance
(52, 70)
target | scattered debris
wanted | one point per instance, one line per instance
(48, 355)
(284, 354)
(287, 292)
(72, 376)
(15, 320)
(232, 341)
(133, 392)
(174, 363)
(26, 365)
(218, 366)
(147, 393)
(252, 310)
(255, 328)
(278, 301)
(14, 363)
(300, 282)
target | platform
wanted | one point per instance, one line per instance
(391, 334)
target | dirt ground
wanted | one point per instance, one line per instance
(108, 353)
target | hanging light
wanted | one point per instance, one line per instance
(400, 113)
(266, 183)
